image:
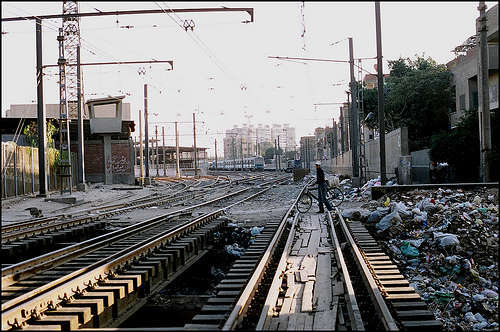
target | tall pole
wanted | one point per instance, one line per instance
(163, 151)
(41, 113)
(234, 155)
(354, 115)
(177, 157)
(195, 152)
(216, 153)
(81, 154)
(484, 102)
(241, 151)
(146, 128)
(156, 154)
(380, 76)
(279, 154)
(341, 120)
(141, 155)
(275, 155)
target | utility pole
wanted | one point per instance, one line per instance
(177, 164)
(354, 116)
(484, 101)
(146, 130)
(275, 155)
(241, 152)
(279, 154)
(341, 120)
(41, 113)
(380, 77)
(81, 154)
(156, 154)
(163, 151)
(141, 155)
(195, 152)
(216, 153)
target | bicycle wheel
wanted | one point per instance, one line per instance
(304, 203)
(335, 196)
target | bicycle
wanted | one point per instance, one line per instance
(334, 195)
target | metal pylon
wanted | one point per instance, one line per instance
(71, 29)
(65, 173)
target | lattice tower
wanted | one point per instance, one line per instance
(71, 30)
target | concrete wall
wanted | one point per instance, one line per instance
(395, 147)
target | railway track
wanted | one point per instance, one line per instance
(22, 237)
(314, 274)
(93, 283)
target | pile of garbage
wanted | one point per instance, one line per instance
(445, 242)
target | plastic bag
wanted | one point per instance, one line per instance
(389, 220)
(446, 239)
(402, 209)
(408, 250)
(376, 215)
(256, 230)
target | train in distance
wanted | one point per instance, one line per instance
(246, 164)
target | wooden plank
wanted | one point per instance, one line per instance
(323, 286)
(314, 242)
(387, 272)
(305, 239)
(337, 288)
(402, 296)
(390, 276)
(398, 289)
(307, 297)
(274, 323)
(325, 320)
(309, 265)
(283, 322)
(308, 324)
(299, 325)
(394, 282)
(290, 281)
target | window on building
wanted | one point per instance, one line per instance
(462, 102)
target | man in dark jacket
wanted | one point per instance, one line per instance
(320, 181)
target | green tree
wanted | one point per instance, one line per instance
(418, 94)
(31, 132)
(459, 147)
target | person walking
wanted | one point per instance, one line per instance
(320, 181)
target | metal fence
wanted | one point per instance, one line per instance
(20, 170)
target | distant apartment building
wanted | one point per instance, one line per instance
(307, 150)
(248, 141)
(465, 68)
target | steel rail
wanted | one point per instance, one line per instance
(373, 290)
(241, 306)
(278, 278)
(19, 270)
(353, 308)
(152, 199)
(30, 223)
(24, 269)
(38, 300)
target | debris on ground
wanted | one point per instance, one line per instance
(445, 242)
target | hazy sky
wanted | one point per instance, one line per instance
(222, 55)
